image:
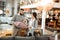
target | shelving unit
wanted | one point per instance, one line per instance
(2, 6)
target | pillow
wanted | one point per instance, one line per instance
(20, 25)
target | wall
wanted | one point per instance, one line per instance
(8, 7)
(11, 4)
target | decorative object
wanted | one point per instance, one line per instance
(7, 11)
(1, 12)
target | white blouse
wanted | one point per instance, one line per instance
(31, 23)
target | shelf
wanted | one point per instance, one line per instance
(29, 6)
(2, 5)
(56, 5)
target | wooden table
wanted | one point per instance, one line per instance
(6, 29)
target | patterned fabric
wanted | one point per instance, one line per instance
(20, 25)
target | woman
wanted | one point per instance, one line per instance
(32, 23)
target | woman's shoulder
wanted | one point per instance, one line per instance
(35, 19)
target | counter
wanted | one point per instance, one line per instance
(6, 29)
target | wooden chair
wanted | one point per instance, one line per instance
(52, 23)
(22, 32)
(58, 22)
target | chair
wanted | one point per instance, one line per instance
(52, 23)
(58, 25)
(22, 32)
(58, 22)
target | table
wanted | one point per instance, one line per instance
(6, 29)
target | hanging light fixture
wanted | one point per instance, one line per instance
(47, 4)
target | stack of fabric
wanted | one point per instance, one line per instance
(20, 25)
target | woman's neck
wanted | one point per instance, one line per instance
(33, 18)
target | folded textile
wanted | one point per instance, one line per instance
(20, 25)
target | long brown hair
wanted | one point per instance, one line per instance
(35, 15)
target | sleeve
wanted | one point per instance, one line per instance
(14, 18)
(29, 23)
(36, 24)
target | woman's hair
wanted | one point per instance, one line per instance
(35, 15)
(22, 9)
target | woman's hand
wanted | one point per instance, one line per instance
(30, 27)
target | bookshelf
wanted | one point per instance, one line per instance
(2, 6)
